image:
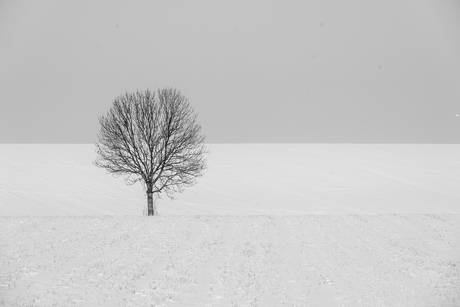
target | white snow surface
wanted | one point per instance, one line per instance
(242, 179)
(267, 225)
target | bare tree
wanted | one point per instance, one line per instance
(152, 137)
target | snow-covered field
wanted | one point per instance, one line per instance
(268, 225)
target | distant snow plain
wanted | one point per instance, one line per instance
(267, 225)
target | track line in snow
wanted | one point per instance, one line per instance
(294, 273)
(147, 285)
(215, 260)
(313, 287)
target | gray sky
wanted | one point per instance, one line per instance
(255, 71)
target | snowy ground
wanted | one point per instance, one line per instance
(268, 225)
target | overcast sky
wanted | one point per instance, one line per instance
(255, 71)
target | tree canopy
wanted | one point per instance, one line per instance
(152, 137)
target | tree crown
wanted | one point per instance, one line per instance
(152, 137)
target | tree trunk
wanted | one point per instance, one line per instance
(150, 203)
(151, 207)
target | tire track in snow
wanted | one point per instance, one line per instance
(312, 285)
(214, 259)
(146, 286)
(296, 275)
(253, 273)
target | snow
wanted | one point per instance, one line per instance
(242, 179)
(267, 225)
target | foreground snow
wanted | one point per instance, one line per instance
(315, 260)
